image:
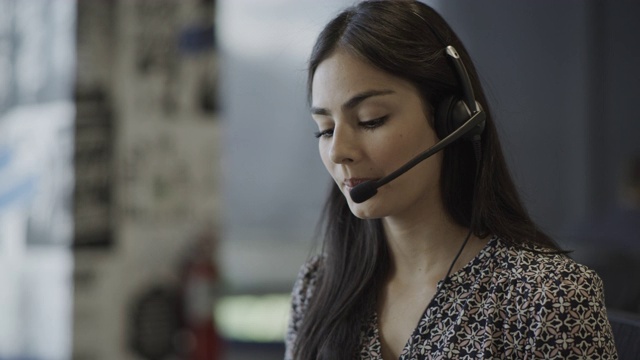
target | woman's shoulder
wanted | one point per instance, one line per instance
(563, 299)
(536, 269)
(305, 285)
(303, 290)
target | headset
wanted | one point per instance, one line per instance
(455, 118)
(454, 111)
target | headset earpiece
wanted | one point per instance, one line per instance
(454, 112)
(441, 122)
(451, 114)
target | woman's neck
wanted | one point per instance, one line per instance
(418, 250)
(423, 247)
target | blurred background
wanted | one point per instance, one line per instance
(160, 183)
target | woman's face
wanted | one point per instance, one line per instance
(369, 124)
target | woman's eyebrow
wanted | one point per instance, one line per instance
(353, 102)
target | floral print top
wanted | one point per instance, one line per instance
(507, 303)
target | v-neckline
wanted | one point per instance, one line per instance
(406, 349)
(440, 291)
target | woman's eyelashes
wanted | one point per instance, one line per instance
(372, 124)
(323, 133)
(367, 125)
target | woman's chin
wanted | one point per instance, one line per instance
(363, 211)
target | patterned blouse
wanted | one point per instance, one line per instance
(507, 303)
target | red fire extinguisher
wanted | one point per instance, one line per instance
(200, 278)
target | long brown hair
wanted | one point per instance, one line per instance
(405, 39)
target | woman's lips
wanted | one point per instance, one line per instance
(353, 182)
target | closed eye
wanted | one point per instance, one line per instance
(372, 124)
(367, 125)
(323, 133)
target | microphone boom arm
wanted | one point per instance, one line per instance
(468, 125)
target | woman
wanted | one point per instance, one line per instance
(443, 262)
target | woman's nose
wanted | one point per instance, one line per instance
(343, 146)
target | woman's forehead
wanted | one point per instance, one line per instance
(342, 76)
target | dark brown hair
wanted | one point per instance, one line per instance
(406, 39)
